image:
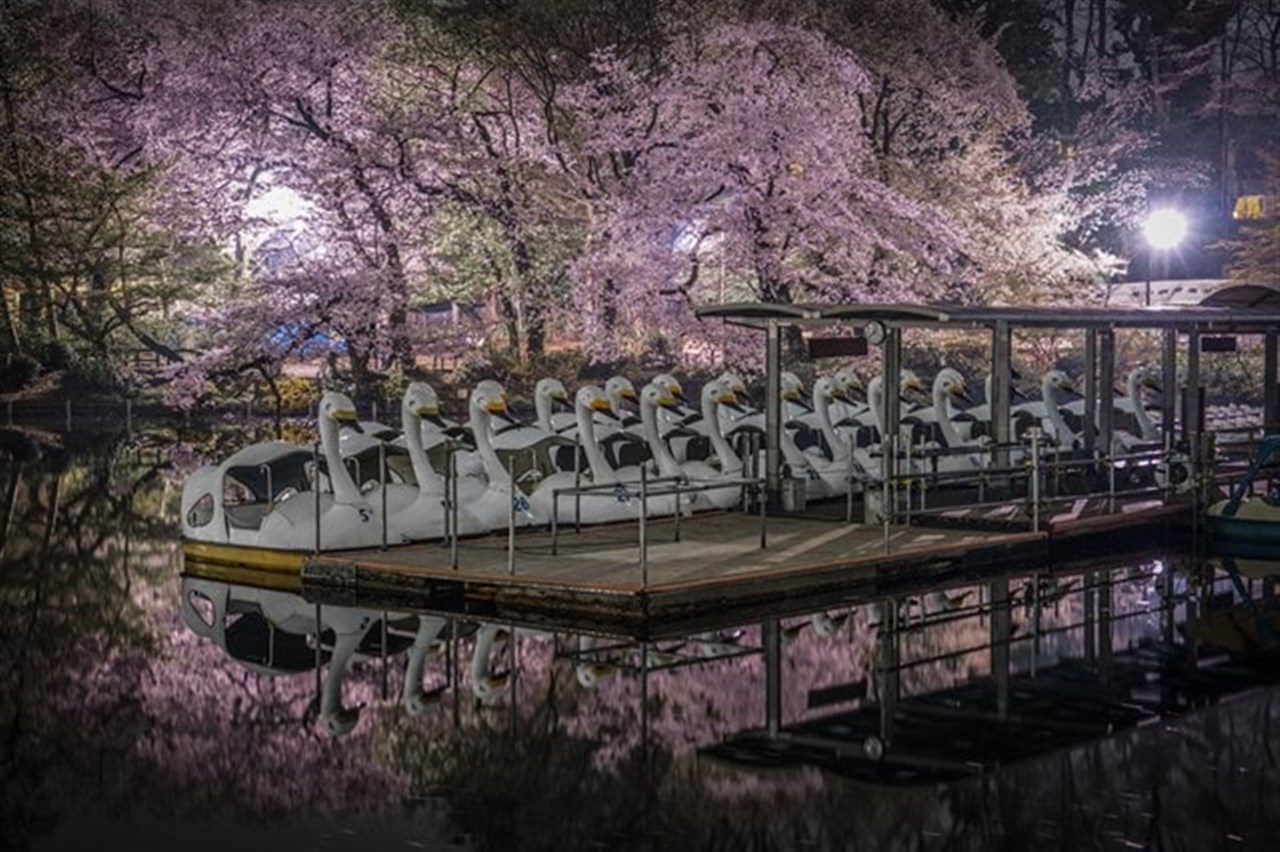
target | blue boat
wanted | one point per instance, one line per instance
(1245, 517)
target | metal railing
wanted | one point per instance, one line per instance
(669, 486)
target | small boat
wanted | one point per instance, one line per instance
(1246, 516)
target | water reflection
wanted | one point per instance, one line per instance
(1107, 704)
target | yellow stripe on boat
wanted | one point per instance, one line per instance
(260, 558)
(240, 576)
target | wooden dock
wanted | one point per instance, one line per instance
(595, 578)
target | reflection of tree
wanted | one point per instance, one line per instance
(105, 698)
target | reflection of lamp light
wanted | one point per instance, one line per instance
(1164, 229)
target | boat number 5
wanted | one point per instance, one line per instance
(365, 516)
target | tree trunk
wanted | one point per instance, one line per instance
(13, 340)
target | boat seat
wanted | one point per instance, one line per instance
(246, 516)
(698, 449)
(564, 459)
(631, 454)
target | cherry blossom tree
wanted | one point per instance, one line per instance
(738, 171)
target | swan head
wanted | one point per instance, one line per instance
(1150, 379)
(488, 397)
(951, 383)
(338, 408)
(720, 392)
(552, 390)
(620, 387)
(792, 387)
(341, 721)
(911, 389)
(593, 398)
(1056, 380)
(589, 675)
(827, 389)
(656, 396)
(733, 382)
(672, 384)
(420, 400)
(852, 383)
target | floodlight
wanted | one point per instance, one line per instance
(1165, 228)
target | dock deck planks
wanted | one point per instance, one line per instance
(717, 562)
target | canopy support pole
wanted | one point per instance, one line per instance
(773, 412)
(1271, 382)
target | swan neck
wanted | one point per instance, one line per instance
(344, 487)
(822, 408)
(1145, 426)
(729, 461)
(481, 423)
(942, 413)
(429, 482)
(600, 470)
(875, 399)
(542, 405)
(1051, 412)
(661, 455)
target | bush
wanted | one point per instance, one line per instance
(19, 372)
(297, 394)
(58, 355)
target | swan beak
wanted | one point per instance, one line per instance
(627, 393)
(602, 405)
(794, 396)
(496, 406)
(961, 394)
(677, 393)
(668, 401)
(1152, 384)
(347, 417)
(427, 411)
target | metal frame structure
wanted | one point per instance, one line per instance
(1239, 310)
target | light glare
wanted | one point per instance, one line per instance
(1165, 228)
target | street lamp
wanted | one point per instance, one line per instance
(1164, 229)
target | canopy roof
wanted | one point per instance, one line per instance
(1236, 309)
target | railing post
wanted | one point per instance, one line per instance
(1035, 479)
(644, 517)
(763, 496)
(382, 480)
(848, 490)
(1111, 482)
(676, 521)
(890, 467)
(555, 518)
(511, 515)
(453, 508)
(577, 483)
(315, 466)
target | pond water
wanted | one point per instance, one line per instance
(1129, 704)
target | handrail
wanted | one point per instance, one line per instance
(677, 487)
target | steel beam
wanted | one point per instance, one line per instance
(1106, 388)
(1090, 387)
(891, 362)
(1191, 414)
(1271, 382)
(1001, 378)
(773, 411)
(1169, 387)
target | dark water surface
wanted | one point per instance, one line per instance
(1139, 709)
